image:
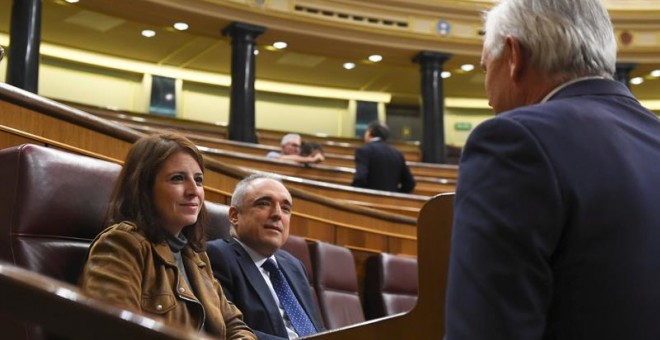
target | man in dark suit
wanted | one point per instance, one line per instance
(260, 213)
(556, 223)
(379, 165)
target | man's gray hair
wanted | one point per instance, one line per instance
(564, 38)
(289, 137)
(238, 197)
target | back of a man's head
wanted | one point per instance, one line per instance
(562, 37)
(379, 130)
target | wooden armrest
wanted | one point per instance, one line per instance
(61, 309)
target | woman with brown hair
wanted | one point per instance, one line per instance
(151, 259)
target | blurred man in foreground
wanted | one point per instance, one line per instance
(556, 222)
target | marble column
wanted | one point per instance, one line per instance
(241, 104)
(24, 41)
(433, 139)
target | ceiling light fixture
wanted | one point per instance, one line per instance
(636, 80)
(445, 74)
(148, 33)
(375, 58)
(655, 73)
(72, 1)
(280, 45)
(349, 66)
(180, 26)
(256, 51)
(467, 67)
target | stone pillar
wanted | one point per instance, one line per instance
(241, 104)
(622, 73)
(24, 40)
(433, 140)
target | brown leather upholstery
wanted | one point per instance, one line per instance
(52, 205)
(336, 285)
(390, 285)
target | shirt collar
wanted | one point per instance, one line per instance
(257, 258)
(566, 84)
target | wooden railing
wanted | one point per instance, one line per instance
(214, 136)
(339, 175)
(61, 309)
(253, 156)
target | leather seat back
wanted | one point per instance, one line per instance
(390, 285)
(336, 285)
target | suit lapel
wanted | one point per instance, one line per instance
(254, 279)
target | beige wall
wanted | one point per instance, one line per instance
(3, 69)
(301, 114)
(74, 82)
(125, 90)
(205, 102)
(274, 111)
(471, 116)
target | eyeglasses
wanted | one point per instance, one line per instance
(293, 144)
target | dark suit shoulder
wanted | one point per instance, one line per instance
(217, 246)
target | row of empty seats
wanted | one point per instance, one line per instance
(389, 285)
(53, 202)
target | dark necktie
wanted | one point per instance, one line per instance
(299, 319)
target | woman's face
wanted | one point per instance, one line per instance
(178, 192)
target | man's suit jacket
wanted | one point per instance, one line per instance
(380, 166)
(557, 221)
(244, 285)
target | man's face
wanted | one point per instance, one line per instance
(263, 221)
(292, 147)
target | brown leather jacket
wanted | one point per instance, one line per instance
(128, 271)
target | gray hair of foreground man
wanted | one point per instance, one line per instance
(241, 189)
(561, 45)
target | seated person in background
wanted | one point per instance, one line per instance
(291, 151)
(311, 149)
(151, 258)
(276, 303)
(379, 165)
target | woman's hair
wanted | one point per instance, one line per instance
(310, 148)
(563, 38)
(132, 198)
